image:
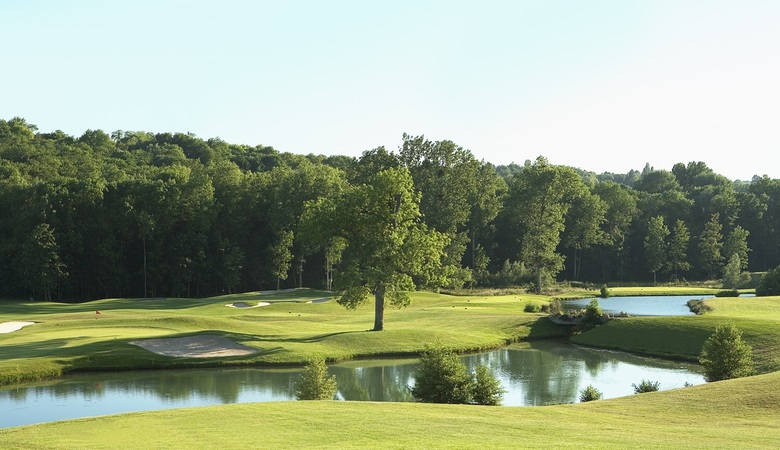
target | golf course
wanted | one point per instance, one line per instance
(287, 328)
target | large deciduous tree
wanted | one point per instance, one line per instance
(540, 196)
(386, 245)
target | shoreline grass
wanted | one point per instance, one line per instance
(739, 413)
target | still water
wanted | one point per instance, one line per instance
(533, 374)
(671, 305)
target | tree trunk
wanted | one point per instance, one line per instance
(379, 310)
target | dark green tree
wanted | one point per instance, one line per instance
(710, 246)
(677, 260)
(441, 377)
(725, 355)
(40, 262)
(655, 245)
(769, 284)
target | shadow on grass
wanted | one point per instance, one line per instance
(543, 328)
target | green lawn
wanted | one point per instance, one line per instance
(289, 331)
(732, 414)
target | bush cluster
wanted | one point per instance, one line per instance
(769, 284)
(725, 355)
(442, 378)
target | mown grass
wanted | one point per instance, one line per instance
(682, 337)
(733, 414)
(69, 337)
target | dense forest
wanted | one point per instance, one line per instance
(137, 214)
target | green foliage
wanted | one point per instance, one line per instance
(604, 291)
(727, 293)
(655, 244)
(441, 377)
(593, 315)
(314, 383)
(646, 386)
(532, 307)
(710, 246)
(487, 389)
(386, 247)
(698, 307)
(725, 355)
(590, 394)
(732, 274)
(770, 283)
(556, 306)
(677, 259)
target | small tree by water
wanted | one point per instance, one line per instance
(592, 316)
(442, 378)
(315, 384)
(646, 386)
(769, 284)
(590, 394)
(725, 355)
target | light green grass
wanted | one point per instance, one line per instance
(70, 337)
(732, 414)
(682, 337)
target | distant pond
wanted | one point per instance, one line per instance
(539, 373)
(665, 305)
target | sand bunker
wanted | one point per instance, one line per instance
(246, 305)
(319, 300)
(7, 327)
(204, 346)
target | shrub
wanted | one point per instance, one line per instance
(592, 316)
(769, 284)
(604, 291)
(487, 388)
(556, 306)
(725, 355)
(314, 383)
(590, 393)
(532, 308)
(698, 306)
(441, 377)
(727, 293)
(646, 386)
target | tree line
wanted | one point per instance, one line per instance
(138, 214)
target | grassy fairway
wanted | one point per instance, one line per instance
(682, 337)
(739, 413)
(289, 331)
(732, 414)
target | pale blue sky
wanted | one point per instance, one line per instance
(601, 85)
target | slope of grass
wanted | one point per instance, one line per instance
(289, 331)
(682, 337)
(732, 414)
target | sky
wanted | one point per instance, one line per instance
(602, 85)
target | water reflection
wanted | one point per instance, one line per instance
(533, 374)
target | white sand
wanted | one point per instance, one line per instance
(246, 305)
(7, 327)
(203, 346)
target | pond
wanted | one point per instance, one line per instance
(539, 373)
(666, 305)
